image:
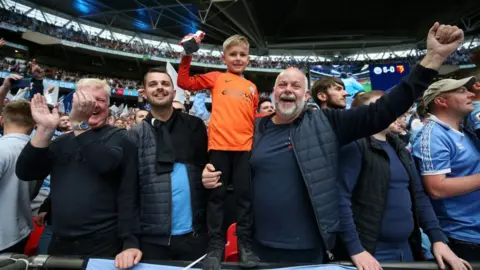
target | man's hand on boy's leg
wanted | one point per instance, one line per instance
(210, 177)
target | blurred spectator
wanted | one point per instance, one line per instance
(120, 123)
(265, 106)
(15, 195)
(473, 121)
(65, 124)
(139, 116)
(178, 106)
(111, 118)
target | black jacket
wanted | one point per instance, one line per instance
(155, 189)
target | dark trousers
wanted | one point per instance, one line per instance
(235, 168)
(288, 256)
(393, 252)
(103, 246)
(465, 250)
(17, 248)
(187, 247)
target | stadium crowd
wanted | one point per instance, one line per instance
(23, 67)
(14, 17)
(303, 185)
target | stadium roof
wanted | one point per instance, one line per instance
(278, 24)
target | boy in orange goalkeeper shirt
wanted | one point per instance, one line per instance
(234, 104)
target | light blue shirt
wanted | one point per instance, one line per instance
(181, 200)
(352, 86)
(199, 106)
(440, 149)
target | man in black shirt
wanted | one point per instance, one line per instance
(93, 175)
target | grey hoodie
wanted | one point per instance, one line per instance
(15, 212)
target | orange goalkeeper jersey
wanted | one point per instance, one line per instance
(234, 104)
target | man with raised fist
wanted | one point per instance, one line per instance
(295, 157)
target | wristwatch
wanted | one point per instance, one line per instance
(80, 126)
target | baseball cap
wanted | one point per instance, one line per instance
(445, 85)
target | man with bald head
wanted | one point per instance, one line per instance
(294, 157)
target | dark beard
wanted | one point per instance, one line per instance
(332, 105)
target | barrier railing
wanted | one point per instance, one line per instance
(19, 261)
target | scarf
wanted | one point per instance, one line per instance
(165, 149)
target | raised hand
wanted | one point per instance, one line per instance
(7, 82)
(42, 115)
(83, 105)
(442, 41)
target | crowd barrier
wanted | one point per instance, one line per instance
(19, 261)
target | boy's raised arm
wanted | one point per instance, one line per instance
(197, 82)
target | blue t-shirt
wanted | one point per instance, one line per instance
(181, 200)
(397, 223)
(440, 149)
(283, 213)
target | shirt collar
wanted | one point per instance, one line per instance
(445, 125)
(18, 136)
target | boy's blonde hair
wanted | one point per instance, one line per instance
(235, 40)
(96, 83)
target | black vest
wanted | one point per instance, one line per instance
(370, 194)
(156, 190)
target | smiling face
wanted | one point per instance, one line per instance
(236, 58)
(290, 93)
(159, 89)
(100, 112)
(236, 54)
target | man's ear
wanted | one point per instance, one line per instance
(1, 120)
(322, 97)
(440, 101)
